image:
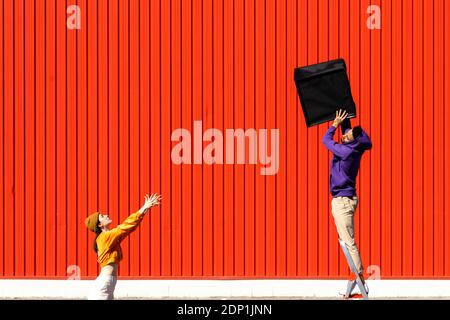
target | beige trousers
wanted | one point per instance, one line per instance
(105, 284)
(103, 288)
(343, 209)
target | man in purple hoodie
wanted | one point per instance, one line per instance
(344, 169)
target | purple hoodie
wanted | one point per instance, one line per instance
(346, 159)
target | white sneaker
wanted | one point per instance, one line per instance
(359, 291)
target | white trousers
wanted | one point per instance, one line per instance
(103, 287)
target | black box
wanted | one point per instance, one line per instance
(324, 88)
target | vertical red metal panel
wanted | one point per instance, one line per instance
(30, 156)
(407, 138)
(375, 135)
(186, 122)
(207, 89)
(239, 122)
(8, 87)
(155, 133)
(270, 99)
(61, 139)
(19, 126)
(228, 122)
(50, 139)
(145, 147)
(134, 127)
(175, 122)
(92, 120)
(259, 123)
(134, 140)
(73, 222)
(291, 141)
(313, 138)
(249, 116)
(428, 124)
(280, 116)
(217, 122)
(104, 109)
(197, 115)
(418, 148)
(2, 144)
(446, 138)
(166, 34)
(323, 153)
(397, 125)
(113, 103)
(87, 117)
(438, 137)
(40, 137)
(302, 59)
(82, 142)
(124, 122)
(385, 139)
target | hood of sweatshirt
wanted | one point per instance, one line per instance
(361, 143)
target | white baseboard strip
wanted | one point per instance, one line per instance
(223, 289)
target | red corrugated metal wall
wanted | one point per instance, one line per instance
(87, 116)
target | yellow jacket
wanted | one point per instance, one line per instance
(108, 242)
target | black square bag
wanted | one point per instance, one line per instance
(323, 88)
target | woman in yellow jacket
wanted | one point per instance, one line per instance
(107, 246)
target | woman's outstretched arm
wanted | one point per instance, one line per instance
(132, 222)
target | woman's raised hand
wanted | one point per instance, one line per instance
(152, 201)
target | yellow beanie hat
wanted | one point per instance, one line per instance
(92, 221)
